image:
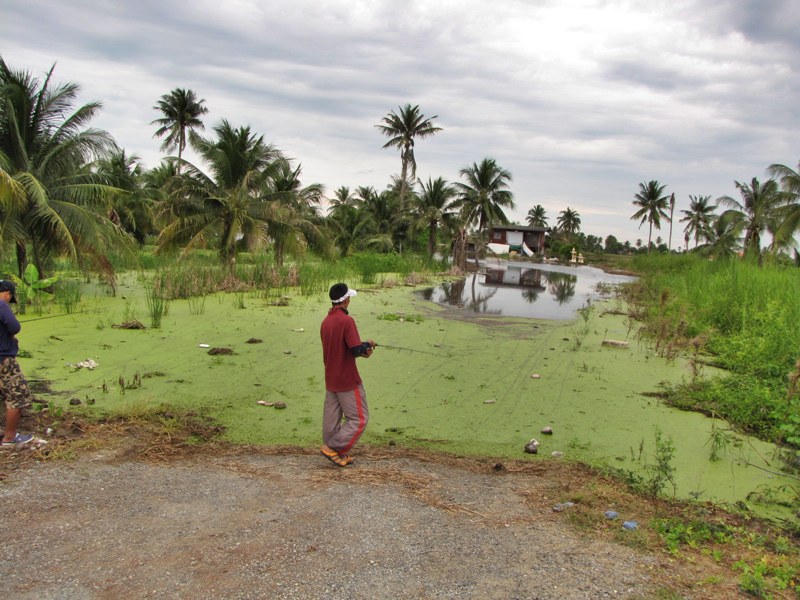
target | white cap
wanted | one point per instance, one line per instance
(340, 292)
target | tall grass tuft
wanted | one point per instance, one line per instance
(67, 293)
(197, 304)
(157, 303)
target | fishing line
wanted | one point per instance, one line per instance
(406, 349)
(81, 312)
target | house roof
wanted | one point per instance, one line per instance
(518, 228)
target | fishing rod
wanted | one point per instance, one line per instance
(62, 315)
(406, 349)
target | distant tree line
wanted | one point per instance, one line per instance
(68, 190)
(771, 207)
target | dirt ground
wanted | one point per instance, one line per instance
(115, 513)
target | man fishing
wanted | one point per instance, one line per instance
(345, 413)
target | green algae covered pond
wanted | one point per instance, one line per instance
(471, 391)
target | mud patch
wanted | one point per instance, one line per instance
(220, 351)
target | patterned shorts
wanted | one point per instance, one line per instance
(13, 385)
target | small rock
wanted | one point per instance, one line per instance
(48, 431)
(490, 401)
(532, 447)
(499, 467)
(535, 376)
(287, 351)
(253, 341)
(611, 514)
(547, 430)
(630, 525)
(74, 401)
(562, 505)
(280, 405)
(264, 403)
(556, 454)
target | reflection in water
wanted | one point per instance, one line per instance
(562, 286)
(519, 290)
(476, 301)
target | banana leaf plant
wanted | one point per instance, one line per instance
(32, 290)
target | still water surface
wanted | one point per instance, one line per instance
(522, 290)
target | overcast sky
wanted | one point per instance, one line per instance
(581, 100)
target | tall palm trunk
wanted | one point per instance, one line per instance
(671, 213)
(22, 258)
(181, 146)
(403, 179)
(431, 239)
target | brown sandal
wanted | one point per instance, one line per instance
(334, 456)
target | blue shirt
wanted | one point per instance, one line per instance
(9, 328)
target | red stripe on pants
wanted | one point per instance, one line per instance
(362, 422)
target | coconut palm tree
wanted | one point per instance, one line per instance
(295, 223)
(484, 195)
(348, 228)
(759, 209)
(60, 205)
(182, 111)
(536, 216)
(383, 218)
(433, 208)
(342, 196)
(133, 208)
(698, 218)
(652, 207)
(401, 129)
(569, 221)
(723, 235)
(231, 206)
(789, 181)
(364, 194)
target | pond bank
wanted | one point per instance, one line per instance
(474, 394)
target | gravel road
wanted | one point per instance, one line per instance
(237, 524)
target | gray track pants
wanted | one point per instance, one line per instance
(344, 418)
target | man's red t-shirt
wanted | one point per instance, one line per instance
(339, 333)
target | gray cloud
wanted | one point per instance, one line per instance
(580, 100)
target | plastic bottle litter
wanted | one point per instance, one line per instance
(611, 514)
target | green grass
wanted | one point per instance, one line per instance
(746, 318)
